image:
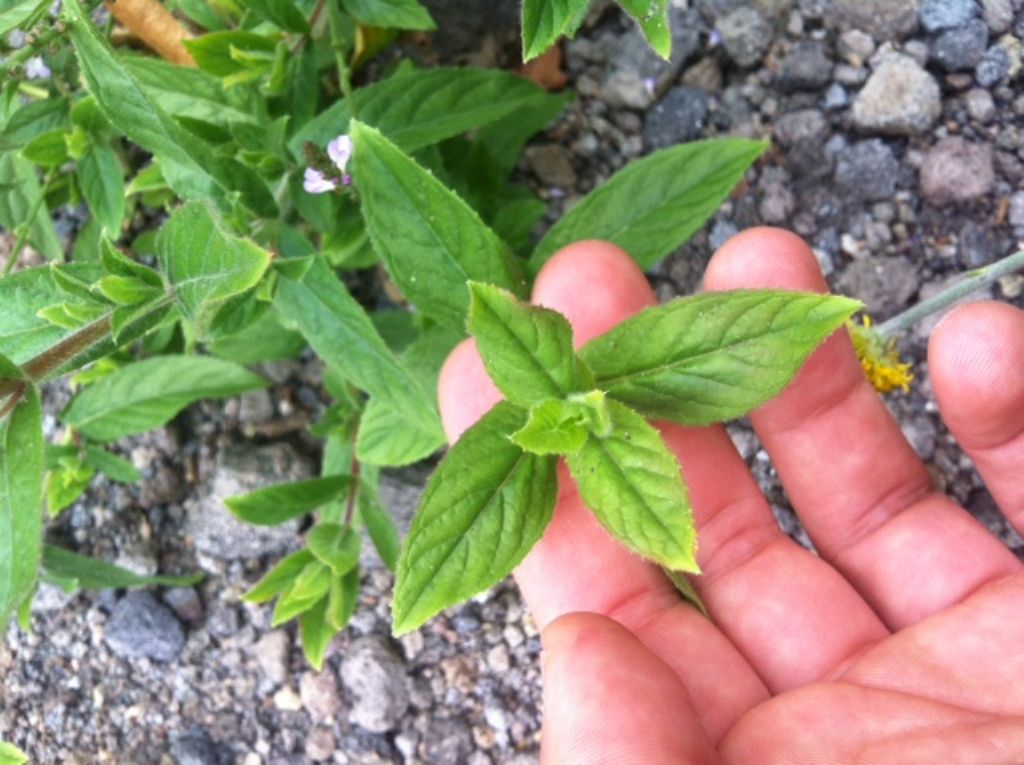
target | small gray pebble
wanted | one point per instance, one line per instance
(142, 626)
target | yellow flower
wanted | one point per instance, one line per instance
(879, 357)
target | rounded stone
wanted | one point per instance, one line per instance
(900, 98)
(955, 170)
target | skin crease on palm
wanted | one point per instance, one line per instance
(902, 642)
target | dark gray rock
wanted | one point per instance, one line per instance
(994, 66)
(938, 15)
(955, 170)
(801, 126)
(960, 49)
(867, 170)
(243, 468)
(678, 117)
(196, 748)
(375, 677)
(806, 67)
(980, 244)
(885, 284)
(777, 203)
(746, 36)
(899, 98)
(185, 603)
(882, 19)
(141, 626)
(467, 22)
(633, 73)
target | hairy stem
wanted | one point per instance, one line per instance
(353, 490)
(972, 281)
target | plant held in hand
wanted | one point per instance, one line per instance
(694, 361)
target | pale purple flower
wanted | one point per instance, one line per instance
(649, 84)
(340, 152)
(35, 69)
(316, 183)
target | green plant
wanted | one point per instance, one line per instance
(228, 203)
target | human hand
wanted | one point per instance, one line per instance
(902, 643)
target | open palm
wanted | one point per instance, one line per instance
(902, 643)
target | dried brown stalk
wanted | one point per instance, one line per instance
(155, 26)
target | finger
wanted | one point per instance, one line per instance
(577, 566)
(608, 699)
(862, 493)
(976, 360)
(792, 615)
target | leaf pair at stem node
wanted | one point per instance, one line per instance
(694, 361)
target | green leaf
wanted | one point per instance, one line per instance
(380, 526)
(263, 340)
(397, 14)
(186, 92)
(117, 263)
(22, 464)
(334, 545)
(342, 599)
(284, 13)
(315, 633)
(654, 204)
(384, 437)
(431, 241)
(102, 182)
(18, 201)
(9, 753)
(48, 150)
(631, 482)
(483, 509)
(127, 290)
(652, 16)
(504, 139)
(562, 426)
(189, 165)
(66, 484)
(280, 578)
(93, 574)
(276, 504)
(33, 119)
(425, 106)
(13, 13)
(23, 333)
(204, 264)
(527, 350)
(309, 587)
(147, 394)
(715, 356)
(342, 334)
(685, 588)
(544, 21)
(113, 467)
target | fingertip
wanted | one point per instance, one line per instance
(975, 358)
(595, 285)
(764, 258)
(608, 698)
(464, 390)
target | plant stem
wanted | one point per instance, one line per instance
(340, 58)
(23, 236)
(353, 490)
(972, 281)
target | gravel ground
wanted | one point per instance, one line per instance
(897, 149)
